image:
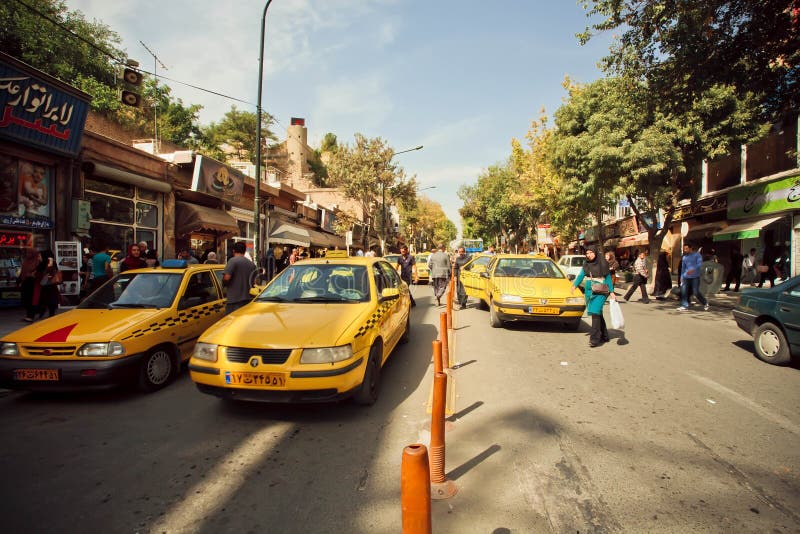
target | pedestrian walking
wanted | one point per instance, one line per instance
(641, 274)
(663, 277)
(46, 296)
(101, 266)
(749, 271)
(439, 267)
(407, 267)
(236, 277)
(613, 266)
(735, 270)
(211, 257)
(27, 282)
(461, 259)
(690, 279)
(765, 268)
(597, 284)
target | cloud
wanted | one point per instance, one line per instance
(361, 103)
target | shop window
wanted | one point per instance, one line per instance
(112, 209)
(147, 214)
(144, 194)
(119, 215)
(110, 188)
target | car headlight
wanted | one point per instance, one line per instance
(111, 348)
(9, 349)
(575, 300)
(510, 298)
(205, 351)
(327, 354)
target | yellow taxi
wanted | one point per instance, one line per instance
(320, 331)
(522, 287)
(136, 328)
(423, 273)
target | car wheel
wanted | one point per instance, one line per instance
(157, 369)
(494, 320)
(367, 393)
(481, 304)
(771, 345)
(407, 331)
(574, 324)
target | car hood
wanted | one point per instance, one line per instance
(533, 287)
(81, 326)
(287, 325)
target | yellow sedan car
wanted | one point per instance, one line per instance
(320, 331)
(423, 273)
(517, 287)
(136, 328)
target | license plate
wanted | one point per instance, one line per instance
(542, 310)
(253, 380)
(36, 374)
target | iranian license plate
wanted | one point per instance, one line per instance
(543, 310)
(36, 374)
(253, 380)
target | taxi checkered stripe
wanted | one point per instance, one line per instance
(182, 318)
(375, 319)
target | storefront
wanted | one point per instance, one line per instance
(40, 134)
(202, 228)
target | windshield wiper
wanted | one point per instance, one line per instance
(328, 298)
(131, 305)
(272, 299)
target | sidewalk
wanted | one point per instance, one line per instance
(725, 299)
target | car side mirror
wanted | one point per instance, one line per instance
(571, 277)
(485, 274)
(389, 293)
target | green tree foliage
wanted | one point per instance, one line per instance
(424, 223)
(684, 49)
(367, 173)
(234, 136)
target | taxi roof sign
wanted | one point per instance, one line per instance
(174, 264)
(336, 254)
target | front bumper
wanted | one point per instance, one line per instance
(745, 321)
(72, 374)
(520, 312)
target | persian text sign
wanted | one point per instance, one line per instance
(36, 109)
(761, 199)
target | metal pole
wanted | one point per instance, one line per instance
(257, 199)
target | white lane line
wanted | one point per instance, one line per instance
(216, 490)
(779, 420)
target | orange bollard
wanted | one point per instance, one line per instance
(449, 310)
(437, 357)
(441, 488)
(415, 490)
(443, 337)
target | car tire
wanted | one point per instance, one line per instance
(574, 324)
(494, 320)
(771, 344)
(370, 387)
(407, 332)
(157, 369)
(481, 304)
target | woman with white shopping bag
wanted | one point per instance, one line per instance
(596, 278)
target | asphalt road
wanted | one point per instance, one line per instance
(674, 428)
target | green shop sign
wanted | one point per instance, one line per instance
(766, 198)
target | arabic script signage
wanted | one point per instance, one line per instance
(764, 198)
(36, 109)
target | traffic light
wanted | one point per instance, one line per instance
(131, 85)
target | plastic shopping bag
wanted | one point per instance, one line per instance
(617, 320)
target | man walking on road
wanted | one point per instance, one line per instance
(690, 279)
(439, 266)
(461, 259)
(238, 273)
(639, 279)
(407, 266)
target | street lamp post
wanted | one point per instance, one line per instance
(383, 200)
(257, 195)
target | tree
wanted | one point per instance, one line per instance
(366, 173)
(234, 136)
(425, 223)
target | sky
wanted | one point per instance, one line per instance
(462, 78)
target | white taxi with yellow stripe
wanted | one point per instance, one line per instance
(320, 331)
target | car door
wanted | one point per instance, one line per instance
(471, 275)
(484, 276)
(385, 310)
(401, 306)
(200, 305)
(788, 313)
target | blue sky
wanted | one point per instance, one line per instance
(461, 78)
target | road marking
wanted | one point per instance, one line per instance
(204, 497)
(779, 420)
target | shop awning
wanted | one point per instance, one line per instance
(744, 230)
(290, 234)
(700, 231)
(634, 240)
(190, 218)
(323, 239)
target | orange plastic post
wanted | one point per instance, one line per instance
(437, 356)
(443, 337)
(449, 310)
(441, 488)
(415, 490)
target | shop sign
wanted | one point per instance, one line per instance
(591, 234)
(764, 198)
(544, 235)
(327, 220)
(24, 193)
(15, 239)
(700, 207)
(38, 110)
(215, 178)
(627, 226)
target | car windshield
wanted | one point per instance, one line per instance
(318, 283)
(527, 268)
(423, 259)
(578, 261)
(136, 290)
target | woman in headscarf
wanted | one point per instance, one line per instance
(46, 295)
(663, 278)
(133, 260)
(595, 273)
(27, 281)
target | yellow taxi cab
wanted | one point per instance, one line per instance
(522, 287)
(320, 331)
(423, 273)
(136, 328)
